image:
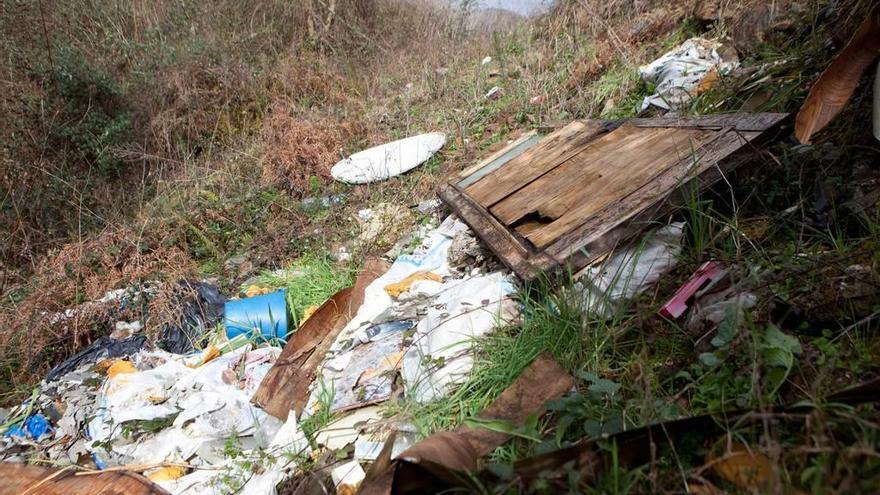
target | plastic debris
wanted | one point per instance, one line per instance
(463, 311)
(388, 160)
(101, 348)
(494, 93)
(486, 61)
(124, 329)
(685, 71)
(348, 477)
(701, 282)
(713, 308)
(629, 272)
(396, 289)
(201, 307)
(119, 367)
(34, 427)
(167, 473)
(263, 316)
(345, 431)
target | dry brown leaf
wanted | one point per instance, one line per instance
(835, 86)
(743, 467)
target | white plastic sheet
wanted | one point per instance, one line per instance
(630, 271)
(679, 72)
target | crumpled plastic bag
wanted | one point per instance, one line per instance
(685, 71)
(628, 272)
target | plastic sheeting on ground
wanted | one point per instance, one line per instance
(170, 412)
(451, 313)
(684, 71)
(628, 272)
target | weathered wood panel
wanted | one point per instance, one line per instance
(538, 160)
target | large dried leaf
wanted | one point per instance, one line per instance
(741, 466)
(286, 386)
(836, 84)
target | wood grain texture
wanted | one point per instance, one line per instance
(743, 122)
(592, 236)
(524, 262)
(286, 385)
(617, 176)
(603, 171)
(38, 480)
(611, 187)
(538, 160)
(469, 172)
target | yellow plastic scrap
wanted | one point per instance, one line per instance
(395, 290)
(308, 312)
(119, 367)
(256, 290)
(209, 354)
(167, 473)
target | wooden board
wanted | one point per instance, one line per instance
(585, 188)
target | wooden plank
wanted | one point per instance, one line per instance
(511, 251)
(604, 230)
(540, 159)
(617, 176)
(498, 159)
(596, 175)
(739, 122)
(40, 480)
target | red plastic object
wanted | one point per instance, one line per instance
(707, 275)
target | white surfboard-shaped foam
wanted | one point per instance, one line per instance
(388, 160)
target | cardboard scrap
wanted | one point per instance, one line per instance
(444, 455)
(38, 480)
(286, 385)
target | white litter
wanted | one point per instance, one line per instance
(628, 272)
(486, 61)
(348, 477)
(388, 160)
(465, 310)
(174, 413)
(678, 73)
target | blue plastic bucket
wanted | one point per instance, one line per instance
(264, 315)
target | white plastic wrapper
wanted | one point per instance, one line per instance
(678, 73)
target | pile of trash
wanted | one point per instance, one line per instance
(186, 419)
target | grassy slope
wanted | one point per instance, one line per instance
(226, 122)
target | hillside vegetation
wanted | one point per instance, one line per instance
(152, 141)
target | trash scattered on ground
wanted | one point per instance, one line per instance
(486, 61)
(39, 480)
(460, 450)
(831, 92)
(315, 204)
(263, 316)
(686, 71)
(287, 385)
(536, 100)
(200, 307)
(101, 348)
(701, 282)
(348, 477)
(388, 160)
(628, 272)
(729, 304)
(384, 223)
(494, 93)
